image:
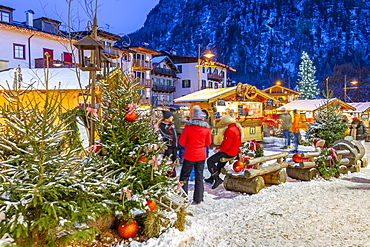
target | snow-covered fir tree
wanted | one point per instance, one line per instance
(307, 85)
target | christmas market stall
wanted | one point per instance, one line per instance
(307, 108)
(245, 102)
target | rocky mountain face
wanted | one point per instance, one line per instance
(263, 39)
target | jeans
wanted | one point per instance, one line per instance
(187, 166)
(296, 140)
(287, 137)
(211, 162)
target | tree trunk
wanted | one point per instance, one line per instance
(277, 177)
(244, 185)
(302, 173)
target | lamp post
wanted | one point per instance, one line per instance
(345, 87)
(209, 55)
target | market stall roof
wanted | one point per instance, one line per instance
(360, 107)
(314, 104)
(212, 95)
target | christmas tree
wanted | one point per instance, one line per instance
(49, 192)
(307, 85)
(328, 124)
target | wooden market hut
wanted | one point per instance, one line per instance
(245, 102)
(283, 94)
(362, 112)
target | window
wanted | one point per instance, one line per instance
(203, 69)
(179, 67)
(4, 16)
(67, 57)
(186, 83)
(169, 82)
(204, 83)
(50, 52)
(19, 51)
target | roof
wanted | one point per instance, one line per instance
(169, 62)
(100, 33)
(186, 59)
(211, 95)
(360, 106)
(280, 87)
(35, 77)
(145, 50)
(313, 104)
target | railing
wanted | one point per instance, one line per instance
(163, 71)
(163, 88)
(111, 50)
(145, 82)
(205, 88)
(41, 63)
(142, 63)
(214, 77)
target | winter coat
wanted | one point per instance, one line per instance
(195, 137)
(361, 131)
(286, 122)
(232, 140)
(168, 132)
(296, 123)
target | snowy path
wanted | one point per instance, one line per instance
(315, 213)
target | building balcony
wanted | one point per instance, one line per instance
(204, 87)
(41, 63)
(215, 77)
(111, 52)
(145, 82)
(162, 71)
(164, 88)
(142, 64)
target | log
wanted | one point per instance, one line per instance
(347, 145)
(277, 177)
(301, 173)
(355, 168)
(342, 170)
(250, 173)
(266, 158)
(306, 164)
(364, 162)
(317, 154)
(360, 148)
(244, 185)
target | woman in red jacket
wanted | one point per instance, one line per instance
(229, 148)
(195, 137)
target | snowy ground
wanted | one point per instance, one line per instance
(315, 213)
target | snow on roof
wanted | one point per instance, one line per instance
(203, 95)
(360, 106)
(35, 78)
(310, 105)
(158, 59)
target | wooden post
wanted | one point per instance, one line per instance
(277, 177)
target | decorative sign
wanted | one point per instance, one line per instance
(246, 91)
(241, 112)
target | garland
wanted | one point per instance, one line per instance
(325, 155)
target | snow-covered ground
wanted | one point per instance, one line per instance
(315, 213)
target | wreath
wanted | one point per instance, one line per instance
(328, 154)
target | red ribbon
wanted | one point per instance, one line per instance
(179, 185)
(131, 108)
(155, 162)
(333, 153)
(128, 194)
(92, 111)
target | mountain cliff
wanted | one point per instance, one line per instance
(263, 39)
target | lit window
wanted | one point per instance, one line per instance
(19, 51)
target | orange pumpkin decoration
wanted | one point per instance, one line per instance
(128, 229)
(298, 158)
(151, 204)
(131, 116)
(238, 166)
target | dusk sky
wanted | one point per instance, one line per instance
(115, 16)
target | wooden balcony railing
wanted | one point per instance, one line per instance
(112, 51)
(142, 63)
(145, 82)
(41, 63)
(164, 88)
(214, 77)
(162, 71)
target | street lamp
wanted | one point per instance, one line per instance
(278, 83)
(345, 87)
(209, 55)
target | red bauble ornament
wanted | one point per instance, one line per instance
(151, 204)
(238, 166)
(142, 159)
(298, 158)
(128, 230)
(130, 116)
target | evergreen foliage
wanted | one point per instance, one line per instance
(131, 147)
(48, 192)
(307, 85)
(328, 124)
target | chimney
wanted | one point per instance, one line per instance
(29, 18)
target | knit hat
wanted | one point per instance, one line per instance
(225, 121)
(197, 112)
(167, 114)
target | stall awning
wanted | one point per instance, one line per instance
(360, 107)
(210, 95)
(314, 104)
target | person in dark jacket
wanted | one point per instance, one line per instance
(229, 148)
(359, 130)
(169, 136)
(195, 137)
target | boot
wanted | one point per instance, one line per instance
(209, 180)
(218, 181)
